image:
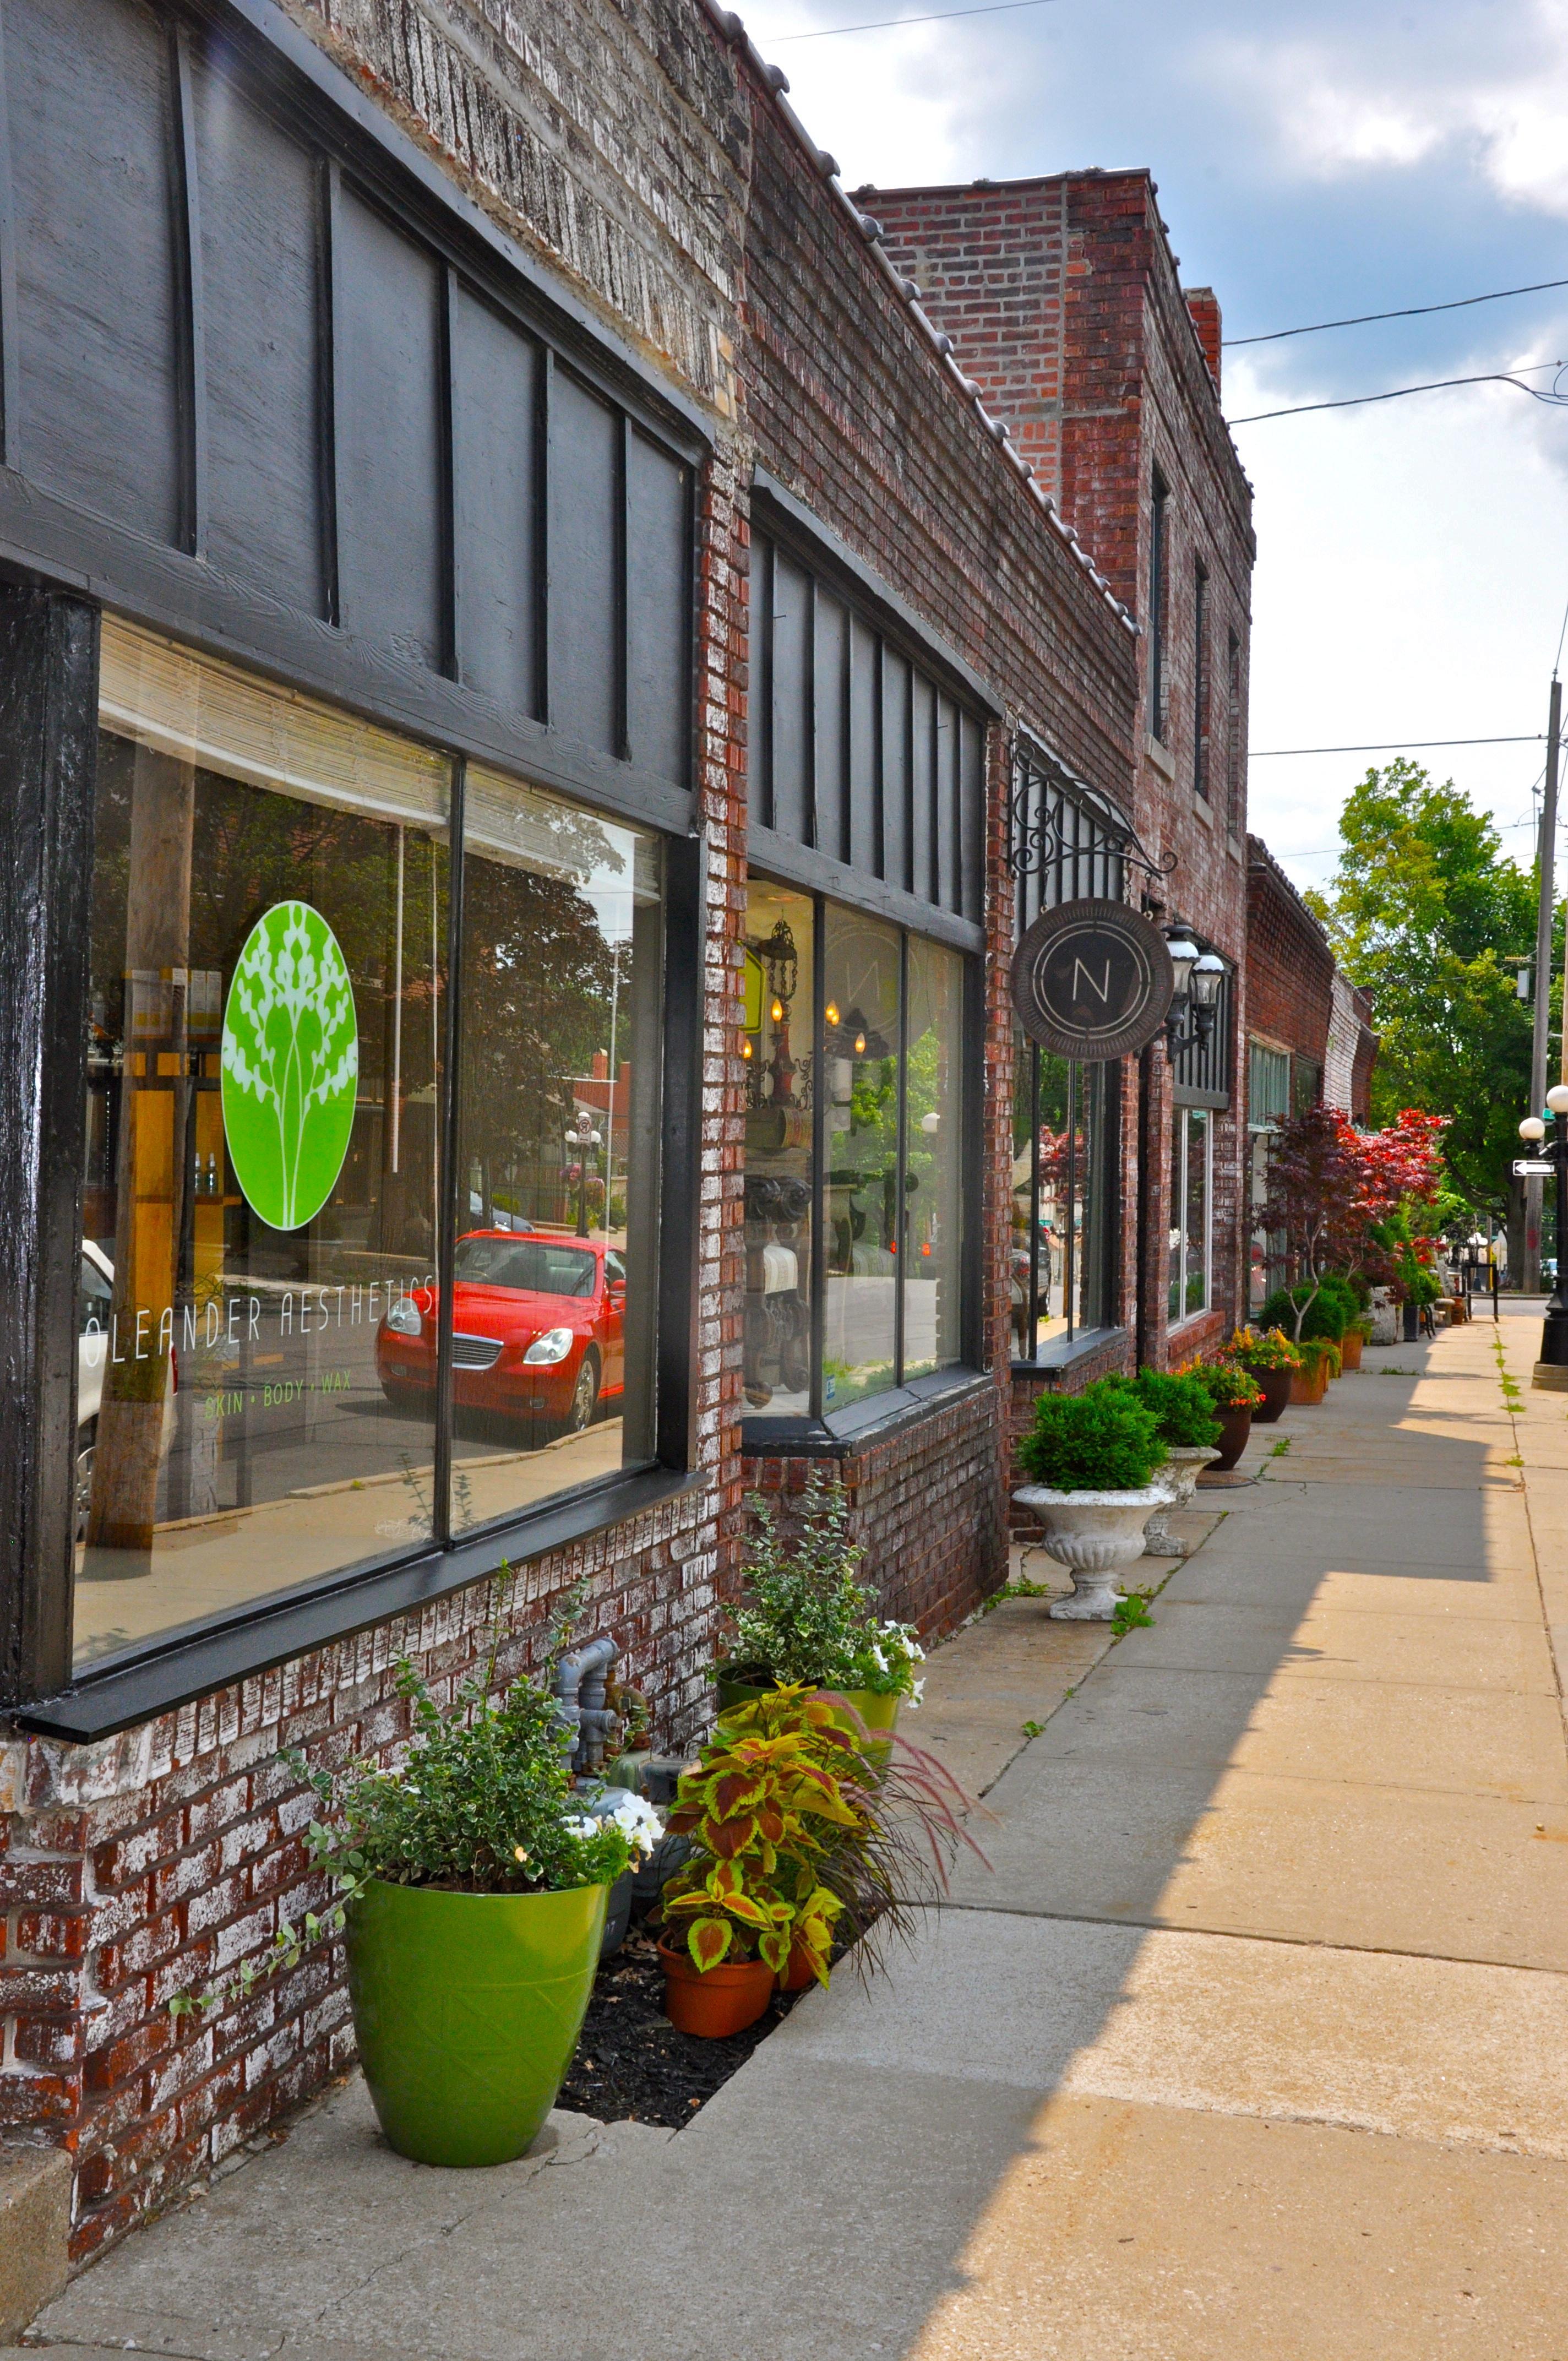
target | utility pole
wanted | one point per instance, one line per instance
(1542, 1042)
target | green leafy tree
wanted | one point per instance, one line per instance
(1423, 911)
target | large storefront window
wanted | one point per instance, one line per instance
(853, 1155)
(558, 1150)
(1064, 1164)
(1267, 1106)
(1191, 1170)
(266, 1192)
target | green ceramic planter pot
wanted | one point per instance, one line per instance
(467, 2008)
(876, 1711)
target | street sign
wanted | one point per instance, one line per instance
(1533, 1167)
(1093, 979)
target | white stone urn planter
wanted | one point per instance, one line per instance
(1094, 1534)
(1176, 1481)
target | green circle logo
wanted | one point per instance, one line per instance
(290, 1065)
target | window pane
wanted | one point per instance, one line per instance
(1093, 1211)
(932, 1253)
(266, 989)
(1173, 1293)
(860, 962)
(780, 1073)
(1196, 1254)
(557, 1165)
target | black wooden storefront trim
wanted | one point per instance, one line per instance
(169, 592)
(272, 1633)
(48, 738)
(814, 873)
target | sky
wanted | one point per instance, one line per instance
(1314, 158)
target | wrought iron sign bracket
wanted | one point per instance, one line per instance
(1035, 836)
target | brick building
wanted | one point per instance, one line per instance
(504, 587)
(1310, 1036)
(1062, 295)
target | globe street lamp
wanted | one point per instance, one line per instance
(583, 1139)
(1552, 1369)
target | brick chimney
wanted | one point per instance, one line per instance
(1204, 306)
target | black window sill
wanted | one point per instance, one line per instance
(196, 1664)
(842, 1432)
(1067, 1351)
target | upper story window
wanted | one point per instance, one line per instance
(855, 1191)
(1159, 603)
(1201, 683)
(1235, 797)
(268, 1181)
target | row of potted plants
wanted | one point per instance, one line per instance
(471, 1879)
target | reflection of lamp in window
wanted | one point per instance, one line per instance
(831, 1013)
(931, 1123)
(860, 1045)
(745, 1050)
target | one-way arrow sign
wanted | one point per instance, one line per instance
(1533, 1167)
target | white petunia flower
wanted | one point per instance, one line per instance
(640, 1822)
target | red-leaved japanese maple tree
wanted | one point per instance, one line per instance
(1329, 1185)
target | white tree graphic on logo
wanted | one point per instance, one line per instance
(290, 1064)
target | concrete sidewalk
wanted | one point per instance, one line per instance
(1254, 2042)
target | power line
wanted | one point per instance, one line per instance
(1356, 401)
(885, 24)
(1392, 746)
(1407, 312)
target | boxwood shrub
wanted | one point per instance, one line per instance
(1102, 1440)
(1329, 1313)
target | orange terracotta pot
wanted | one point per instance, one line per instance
(1309, 1386)
(725, 2000)
(1350, 1345)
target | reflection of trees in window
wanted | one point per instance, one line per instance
(538, 978)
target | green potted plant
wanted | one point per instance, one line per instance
(805, 1619)
(1092, 1458)
(1319, 1362)
(475, 1883)
(1273, 1360)
(1235, 1394)
(1353, 1343)
(1184, 1412)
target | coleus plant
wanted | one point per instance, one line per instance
(760, 1808)
(808, 1827)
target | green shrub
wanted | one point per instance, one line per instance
(1329, 1313)
(1102, 1440)
(1183, 1408)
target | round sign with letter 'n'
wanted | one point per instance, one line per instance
(1093, 979)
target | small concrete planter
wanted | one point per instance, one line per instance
(1177, 1482)
(1094, 1534)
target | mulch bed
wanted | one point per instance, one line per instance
(631, 2065)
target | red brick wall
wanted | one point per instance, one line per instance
(1291, 967)
(1062, 296)
(154, 1863)
(925, 1505)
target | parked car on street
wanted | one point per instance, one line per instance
(538, 1330)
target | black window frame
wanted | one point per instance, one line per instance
(1070, 842)
(762, 1433)
(1158, 601)
(171, 1669)
(1200, 681)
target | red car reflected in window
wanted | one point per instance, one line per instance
(538, 1324)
